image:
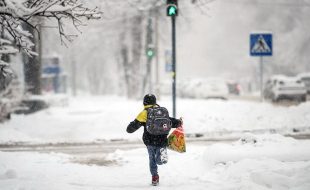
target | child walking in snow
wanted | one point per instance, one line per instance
(156, 144)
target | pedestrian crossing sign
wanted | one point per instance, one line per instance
(261, 44)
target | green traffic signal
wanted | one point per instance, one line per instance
(172, 11)
(172, 8)
(150, 53)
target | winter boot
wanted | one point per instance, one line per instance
(155, 180)
(163, 155)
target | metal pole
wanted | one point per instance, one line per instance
(149, 58)
(261, 78)
(173, 67)
(149, 74)
(157, 90)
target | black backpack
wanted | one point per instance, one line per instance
(158, 121)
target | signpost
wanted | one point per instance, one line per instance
(261, 45)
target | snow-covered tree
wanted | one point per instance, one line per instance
(17, 17)
(16, 13)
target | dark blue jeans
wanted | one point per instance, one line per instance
(157, 156)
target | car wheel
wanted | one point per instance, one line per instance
(8, 116)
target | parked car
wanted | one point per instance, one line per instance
(305, 77)
(284, 87)
(214, 88)
(187, 90)
(31, 104)
(234, 87)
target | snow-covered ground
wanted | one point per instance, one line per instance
(255, 162)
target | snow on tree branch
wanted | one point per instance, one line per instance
(5, 47)
(15, 13)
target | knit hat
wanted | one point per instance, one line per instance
(149, 99)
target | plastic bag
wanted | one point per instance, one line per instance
(176, 140)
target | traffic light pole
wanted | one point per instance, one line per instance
(172, 11)
(173, 66)
(149, 54)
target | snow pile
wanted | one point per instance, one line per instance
(259, 162)
(274, 146)
(9, 174)
(259, 174)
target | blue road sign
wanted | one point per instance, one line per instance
(51, 70)
(261, 44)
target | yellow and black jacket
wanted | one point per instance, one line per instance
(149, 139)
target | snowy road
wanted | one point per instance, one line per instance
(112, 145)
(90, 148)
(95, 153)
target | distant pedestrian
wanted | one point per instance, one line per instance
(157, 142)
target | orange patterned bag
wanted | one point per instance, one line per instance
(176, 140)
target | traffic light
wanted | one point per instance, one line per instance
(172, 7)
(150, 52)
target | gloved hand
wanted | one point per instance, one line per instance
(181, 121)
